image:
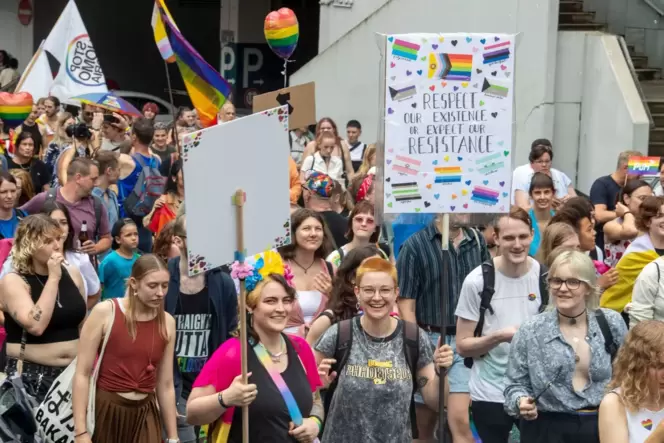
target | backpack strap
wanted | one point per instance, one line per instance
(51, 195)
(411, 349)
(543, 287)
(341, 253)
(96, 202)
(341, 353)
(139, 159)
(609, 344)
(330, 269)
(488, 289)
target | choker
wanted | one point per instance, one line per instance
(572, 320)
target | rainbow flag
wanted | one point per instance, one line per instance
(160, 36)
(643, 166)
(207, 90)
(450, 66)
(448, 174)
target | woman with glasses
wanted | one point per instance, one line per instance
(620, 232)
(643, 250)
(541, 156)
(45, 298)
(559, 364)
(371, 392)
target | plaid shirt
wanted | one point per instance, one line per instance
(420, 267)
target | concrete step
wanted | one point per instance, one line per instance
(658, 119)
(576, 17)
(571, 6)
(645, 74)
(582, 26)
(656, 106)
(657, 135)
(656, 149)
(639, 61)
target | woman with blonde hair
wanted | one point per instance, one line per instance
(555, 235)
(46, 302)
(341, 148)
(283, 398)
(26, 190)
(60, 140)
(633, 410)
(560, 361)
(135, 390)
(368, 160)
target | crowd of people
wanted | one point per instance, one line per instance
(344, 324)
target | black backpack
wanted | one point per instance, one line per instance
(489, 278)
(411, 349)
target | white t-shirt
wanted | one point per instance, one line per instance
(523, 175)
(515, 301)
(334, 169)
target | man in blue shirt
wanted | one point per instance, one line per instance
(9, 217)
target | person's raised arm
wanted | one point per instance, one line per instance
(94, 329)
(63, 164)
(626, 230)
(33, 317)
(613, 421)
(165, 385)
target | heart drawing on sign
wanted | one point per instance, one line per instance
(427, 204)
(436, 196)
(429, 186)
(432, 88)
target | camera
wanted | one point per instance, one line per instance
(78, 130)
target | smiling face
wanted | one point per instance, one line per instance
(273, 308)
(160, 137)
(543, 198)
(377, 293)
(513, 238)
(309, 235)
(634, 201)
(657, 224)
(568, 291)
(586, 235)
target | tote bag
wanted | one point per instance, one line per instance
(55, 415)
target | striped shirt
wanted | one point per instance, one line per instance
(420, 266)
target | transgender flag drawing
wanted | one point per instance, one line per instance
(406, 165)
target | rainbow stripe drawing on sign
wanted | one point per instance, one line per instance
(451, 66)
(406, 165)
(485, 196)
(405, 50)
(448, 174)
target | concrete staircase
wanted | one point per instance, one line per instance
(573, 17)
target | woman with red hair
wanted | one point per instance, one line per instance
(150, 110)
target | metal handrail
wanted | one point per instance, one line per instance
(657, 8)
(635, 77)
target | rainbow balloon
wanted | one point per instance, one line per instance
(282, 32)
(14, 108)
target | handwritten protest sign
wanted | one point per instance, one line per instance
(448, 123)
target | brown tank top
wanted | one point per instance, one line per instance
(131, 365)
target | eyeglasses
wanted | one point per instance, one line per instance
(367, 220)
(543, 162)
(571, 283)
(370, 291)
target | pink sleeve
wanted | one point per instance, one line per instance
(308, 360)
(224, 365)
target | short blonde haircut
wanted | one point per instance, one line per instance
(33, 233)
(376, 264)
(584, 270)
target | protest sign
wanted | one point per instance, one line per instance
(301, 102)
(448, 123)
(215, 162)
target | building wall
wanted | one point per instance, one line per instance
(347, 73)
(339, 17)
(15, 38)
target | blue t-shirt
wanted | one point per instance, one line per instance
(114, 271)
(8, 227)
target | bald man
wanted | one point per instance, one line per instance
(226, 113)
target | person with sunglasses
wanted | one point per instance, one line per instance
(559, 362)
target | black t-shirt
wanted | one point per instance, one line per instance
(39, 172)
(338, 225)
(36, 136)
(604, 191)
(193, 319)
(268, 414)
(165, 154)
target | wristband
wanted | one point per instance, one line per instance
(81, 434)
(220, 399)
(318, 421)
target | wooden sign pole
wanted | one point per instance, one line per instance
(444, 306)
(239, 199)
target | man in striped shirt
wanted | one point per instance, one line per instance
(420, 268)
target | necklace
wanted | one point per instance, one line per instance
(372, 342)
(302, 267)
(572, 319)
(276, 358)
(57, 295)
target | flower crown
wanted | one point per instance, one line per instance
(269, 262)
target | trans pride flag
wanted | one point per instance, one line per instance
(207, 90)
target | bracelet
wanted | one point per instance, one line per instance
(220, 399)
(81, 434)
(318, 421)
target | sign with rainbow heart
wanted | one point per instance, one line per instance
(448, 123)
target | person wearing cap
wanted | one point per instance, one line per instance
(317, 192)
(150, 110)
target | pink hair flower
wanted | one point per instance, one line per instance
(288, 275)
(241, 271)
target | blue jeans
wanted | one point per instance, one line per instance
(458, 375)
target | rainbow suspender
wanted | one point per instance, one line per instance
(278, 380)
